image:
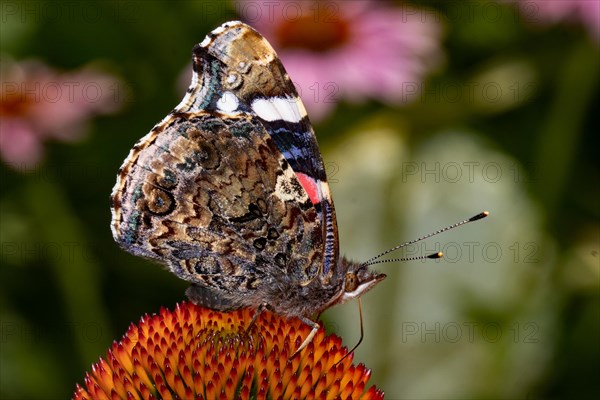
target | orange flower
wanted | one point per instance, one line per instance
(195, 352)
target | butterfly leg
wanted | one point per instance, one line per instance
(259, 310)
(311, 335)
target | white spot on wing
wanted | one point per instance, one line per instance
(265, 109)
(228, 102)
(289, 109)
(206, 41)
(243, 67)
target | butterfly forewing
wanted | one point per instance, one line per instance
(237, 71)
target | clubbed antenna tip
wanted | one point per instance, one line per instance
(479, 216)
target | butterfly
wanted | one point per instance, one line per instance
(229, 190)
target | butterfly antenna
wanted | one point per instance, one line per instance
(439, 254)
(435, 255)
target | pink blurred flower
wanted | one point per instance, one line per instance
(354, 50)
(38, 103)
(586, 12)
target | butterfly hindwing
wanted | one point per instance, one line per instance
(214, 199)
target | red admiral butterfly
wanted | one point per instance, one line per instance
(229, 190)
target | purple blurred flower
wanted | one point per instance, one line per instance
(348, 49)
(38, 103)
(586, 12)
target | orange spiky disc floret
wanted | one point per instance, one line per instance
(193, 352)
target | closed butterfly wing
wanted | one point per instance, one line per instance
(222, 197)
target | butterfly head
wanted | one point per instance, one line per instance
(358, 279)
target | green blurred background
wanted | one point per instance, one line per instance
(511, 312)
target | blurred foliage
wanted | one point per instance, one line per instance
(67, 291)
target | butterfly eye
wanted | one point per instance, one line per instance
(351, 282)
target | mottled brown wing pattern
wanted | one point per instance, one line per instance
(215, 200)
